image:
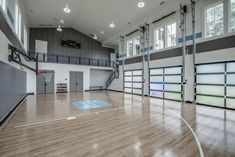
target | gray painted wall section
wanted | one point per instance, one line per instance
(90, 48)
(13, 88)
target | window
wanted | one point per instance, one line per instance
(232, 16)
(16, 17)
(214, 25)
(133, 46)
(25, 39)
(3, 4)
(137, 46)
(159, 38)
(165, 36)
(129, 48)
(19, 25)
(171, 35)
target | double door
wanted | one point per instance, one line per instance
(76, 81)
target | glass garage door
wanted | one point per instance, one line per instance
(166, 83)
(133, 81)
(215, 84)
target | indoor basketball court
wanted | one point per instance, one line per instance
(117, 78)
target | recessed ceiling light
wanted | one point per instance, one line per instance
(62, 21)
(112, 25)
(141, 4)
(59, 29)
(66, 9)
(95, 37)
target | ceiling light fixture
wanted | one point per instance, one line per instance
(112, 25)
(95, 37)
(62, 21)
(141, 4)
(59, 29)
(66, 9)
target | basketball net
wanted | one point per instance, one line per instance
(47, 75)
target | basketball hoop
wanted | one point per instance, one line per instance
(47, 75)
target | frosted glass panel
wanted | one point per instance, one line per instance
(156, 94)
(137, 91)
(156, 86)
(156, 78)
(210, 100)
(173, 96)
(176, 70)
(231, 91)
(128, 79)
(210, 68)
(210, 79)
(137, 79)
(128, 73)
(156, 71)
(210, 90)
(139, 72)
(128, 90)
(230, 67)
(172, 87)
(173, 79)
(231, 79)
(137, 85)
(231, 103)
(128, 85)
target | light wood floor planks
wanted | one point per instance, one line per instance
(130, 127)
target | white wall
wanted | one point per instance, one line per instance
(62, 72)
(99, 77)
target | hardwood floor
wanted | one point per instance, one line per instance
(128, 128)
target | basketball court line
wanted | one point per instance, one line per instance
(67, 118)
(194, 134)
(115, 109)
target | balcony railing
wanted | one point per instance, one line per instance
(63, 59)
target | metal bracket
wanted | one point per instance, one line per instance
(15, 56)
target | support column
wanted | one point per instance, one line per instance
(183, 11)
(147, 32)
(194, 48)
(122, 50)
(142, 49)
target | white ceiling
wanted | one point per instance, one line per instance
(91, 16)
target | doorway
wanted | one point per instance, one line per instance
(76, 81)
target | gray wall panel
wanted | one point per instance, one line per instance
(13, 88)
(89, 48)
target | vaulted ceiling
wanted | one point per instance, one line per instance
(91, 16)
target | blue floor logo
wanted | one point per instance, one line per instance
(90, 104)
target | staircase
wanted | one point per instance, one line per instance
(115, 74)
